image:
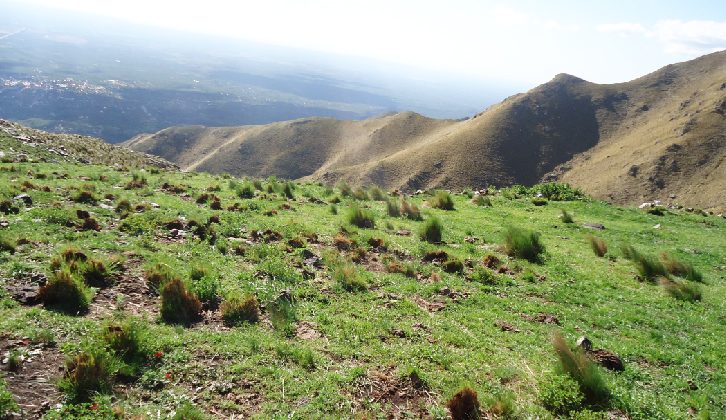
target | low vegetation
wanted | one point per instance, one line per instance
(172, 301)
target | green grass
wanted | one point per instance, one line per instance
(349, 321)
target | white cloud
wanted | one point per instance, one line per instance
(691, 37)
(623, 28)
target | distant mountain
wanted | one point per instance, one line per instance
(660, 136)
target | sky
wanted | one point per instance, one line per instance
(522, 42)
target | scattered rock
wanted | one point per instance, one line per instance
(25, 198)
(596, 226)
(505, 326)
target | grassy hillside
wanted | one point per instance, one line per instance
(153, 293)
(657, 137)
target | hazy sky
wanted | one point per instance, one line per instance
(518, 41)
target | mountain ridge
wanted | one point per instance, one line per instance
(666, 123)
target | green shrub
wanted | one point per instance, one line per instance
(481, 201)
(178, 305)
(680, 268)
(557, 192)
(464, 405)
(539, 201)
(561, 394)
(349, 278)
(238, 310)
(432, 230)
(86, 375)
(393, 207)
(63, 293)
(566, 217)
(521, 243)
(442, 200)
(583, 371)
(360, 217)
(684, 291)
(207, 290)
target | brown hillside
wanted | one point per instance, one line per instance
(657, 136)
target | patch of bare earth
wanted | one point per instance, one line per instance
(33, 385)
(398, 397)
(129, 293)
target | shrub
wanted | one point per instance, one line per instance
(583, 371)
(206, 288)
(521, 243)
(376, 193)
(680, 268)
(393, 208)
(598, 245)
(464, 405)
(7, 245)
(561, 394)
(566, 217)
(87, 374)
(349, 278)
(236, 310)
(410, 210)
(178, 305)
(432, 230)
(539, 201)
(63, 293)
(481, 201)
(257, 184)
(686, 292)
(557, 192)
(361, 217)
(442, 200)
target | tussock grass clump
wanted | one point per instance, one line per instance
(680, 268)
(85, 197)
(687, 292)
(376, 194)
(362, 218)
(410, 210)
(178, 305)
(344, 188)
(65, 294)
(521, 243)
(464, 405)
(7, 245)
(598, 245)
(432, 231)
(97, 274)
(393, 208)
(453, 265)
(349, 278)
(90, 224)
(566, 217)
(187, 411)
(86, 375)
(157, 276)
(245, 190)
(397, 267)
(442, 200)
(238, 310)
(649, 267)
(137, 181)
(578, 367)
(360, 194)
(123, 206)
(481, 201)
(124, 339)
(289, 190)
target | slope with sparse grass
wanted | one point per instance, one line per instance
(192, 301)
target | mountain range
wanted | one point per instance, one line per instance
(661, 136)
